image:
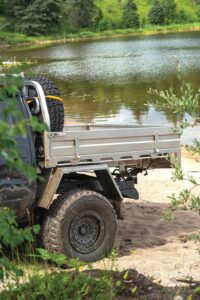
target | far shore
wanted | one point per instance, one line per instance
(9, 39)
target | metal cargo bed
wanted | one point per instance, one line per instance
(111, 144)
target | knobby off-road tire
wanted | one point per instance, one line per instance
(81, 224)
(55, 107)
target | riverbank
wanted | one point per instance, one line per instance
(8, 39)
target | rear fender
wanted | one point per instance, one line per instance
(105, 178)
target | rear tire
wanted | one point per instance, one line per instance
(81, 224)
(55, 107)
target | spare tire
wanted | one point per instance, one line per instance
(53, 100)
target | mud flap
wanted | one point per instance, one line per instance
(127, 188)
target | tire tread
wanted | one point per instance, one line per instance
(52, 225)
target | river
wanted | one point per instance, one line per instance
(108, 80)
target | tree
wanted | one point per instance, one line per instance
(130, 15)
(156, 14)
(34, 17)
(170, 12)
(40, 17)
(83, 13)
(2, 7)
(15, 10)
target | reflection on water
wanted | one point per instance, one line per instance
(108, 80)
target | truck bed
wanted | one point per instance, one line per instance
(111, 144)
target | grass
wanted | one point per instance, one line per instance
(12, 39)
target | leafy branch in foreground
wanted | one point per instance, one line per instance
(10, 87)
(185, 101)
(187, 198)
(195, 147)
(11, 236)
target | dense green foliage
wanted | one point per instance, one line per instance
(130, 15)
(170, 11)
(34, 17)
(40, 17)
(156, 13)
(82, 13)
(63, 285)
(11, 236)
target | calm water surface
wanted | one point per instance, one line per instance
(108, 80)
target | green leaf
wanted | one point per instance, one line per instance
(125, 275)
(197, 291)
(134, 290)
(36, 229)
(118, 283)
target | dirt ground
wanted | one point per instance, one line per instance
(152, 246)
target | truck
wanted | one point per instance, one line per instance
(87, 171)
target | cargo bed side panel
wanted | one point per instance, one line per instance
(110, 144)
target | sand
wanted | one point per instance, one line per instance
(152, 246)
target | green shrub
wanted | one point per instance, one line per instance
(62, 285)
(11, 236)
(107, 24)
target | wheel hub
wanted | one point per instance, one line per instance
(86, 232)
(83, 230)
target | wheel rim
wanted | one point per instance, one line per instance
(86, 232)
